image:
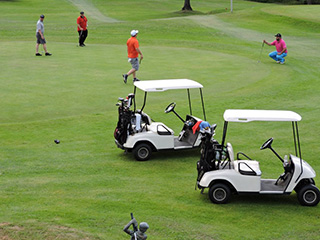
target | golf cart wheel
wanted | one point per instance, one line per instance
(219, 193)
(142, 152)
(309, 195)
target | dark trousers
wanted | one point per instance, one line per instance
(82, 36)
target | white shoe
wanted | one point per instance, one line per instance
(281, 62)
(277, 61)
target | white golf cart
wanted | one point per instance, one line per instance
(229, 175)
(136, 131)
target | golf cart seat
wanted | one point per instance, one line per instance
(247, 167)
(144, 117)
(160, 128)
(140, 120)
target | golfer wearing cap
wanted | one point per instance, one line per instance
(40, 37)
(82, 23)
(281, 48)
(133, 54)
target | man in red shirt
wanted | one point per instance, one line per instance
(281, 49)
(133, 54)
(82, 28)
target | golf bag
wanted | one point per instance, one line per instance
(124, 127)
(210, 153)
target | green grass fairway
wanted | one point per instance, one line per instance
(85, 187)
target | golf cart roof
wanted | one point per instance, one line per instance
(234, 115)
(168, 84)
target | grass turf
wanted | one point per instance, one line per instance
(85, 188)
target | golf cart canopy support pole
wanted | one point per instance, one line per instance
(294, 138)
(295, 124)
(190, 108)
(224, 133)
(144, 101)
(204, 112)
(134, 100)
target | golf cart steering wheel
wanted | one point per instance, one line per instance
(267, 144)
(170, 107)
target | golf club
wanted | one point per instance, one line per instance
(134, 227)
(261, 52)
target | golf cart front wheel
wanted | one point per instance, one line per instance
(219, 193)
(142, 152)
(309, 195)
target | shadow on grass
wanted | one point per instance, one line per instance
(167, 155)
(248, 200)
(273, 200)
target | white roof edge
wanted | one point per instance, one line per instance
(239, 115)
(166, 84)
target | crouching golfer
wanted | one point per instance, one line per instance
(40, 37)
(133, 54)
(281, 48)
(136, 234)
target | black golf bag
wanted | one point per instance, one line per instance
(124, 127)
(210, 153)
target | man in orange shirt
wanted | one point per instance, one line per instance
(82, 28)
(133, 54)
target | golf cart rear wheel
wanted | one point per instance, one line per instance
(309, 195)
(219, 193)
(142, 152)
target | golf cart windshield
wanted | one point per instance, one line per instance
(168, 84)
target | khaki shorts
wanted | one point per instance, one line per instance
(134, 63)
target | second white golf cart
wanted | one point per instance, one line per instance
(137, 133)
(226, 175)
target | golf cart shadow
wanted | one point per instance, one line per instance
(275, 200)
(254, 199)
(170, 155)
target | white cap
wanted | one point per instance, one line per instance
(134, 32)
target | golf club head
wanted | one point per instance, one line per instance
(130, 97)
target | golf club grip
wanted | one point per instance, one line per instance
(134, 227)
